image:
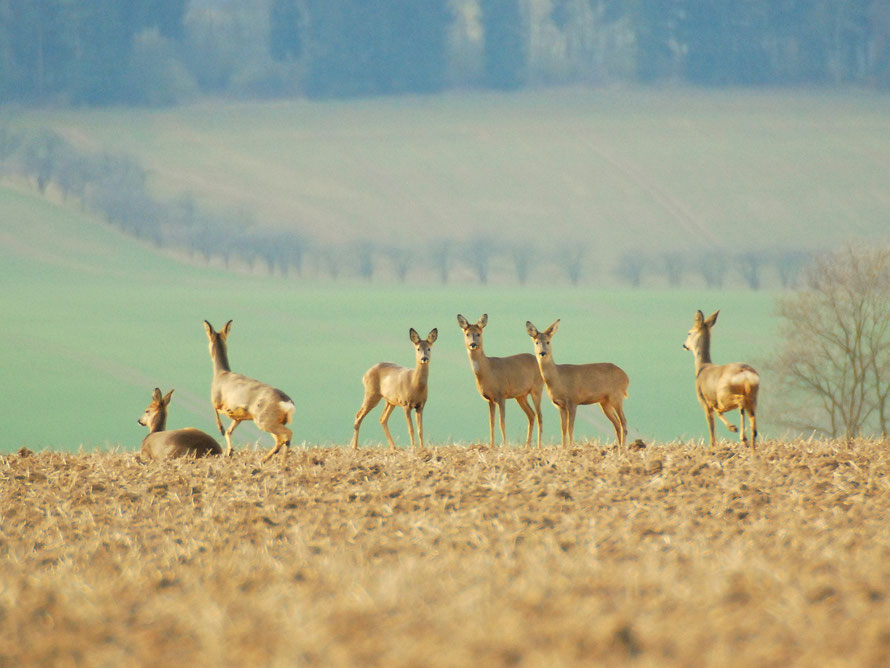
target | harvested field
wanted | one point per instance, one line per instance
(668, 554)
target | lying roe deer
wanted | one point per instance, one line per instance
(243, 398)
(721, 388)
(501, 378)
(398, 386)
(163, 444)
(573, 385)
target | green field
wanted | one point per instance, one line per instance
(94, 320)
(613, 170)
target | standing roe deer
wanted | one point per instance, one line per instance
(722, 387)
(502, 378)
(243, 398)
(162, 444)
(573, 385)
(398, 386)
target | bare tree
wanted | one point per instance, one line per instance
(364, 259)
(478, 252)
(750, 263)
(674, 264)
(789, 264)
(523, 255)
(630, 267)
(834, 360)
(440, 253)
(711, 264)
(400, 258)
(571, 258)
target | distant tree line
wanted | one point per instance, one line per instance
(160, 52)
(115, 186)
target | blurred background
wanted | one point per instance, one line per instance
(329, 173)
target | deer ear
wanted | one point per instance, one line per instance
(712, 319)
(156, 395)
(432, 336)
(698, 319)
(208, 328)
(531, 329)
(167, 398)
(550, 331)
(462, 321)
(483, 320)
(224, 332)
(414, 336)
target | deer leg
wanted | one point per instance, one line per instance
(537, 399)
(728, 424)
(228, 435)
(742, 435)
(530, 414)
(410, 424)
(283, 437)
(563, 423)
(387, 411)
(709, 416)
(502, 408)
(419, 413)
(752, 423)
(491, 410)
(367, 406)
(619, 410)
(571, 423)
(610, 412)
(219, 422)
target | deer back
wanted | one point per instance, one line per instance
(242, 397)
(179, 443)
(398, 384)
(588, 383)
(726, 386)
(512, 376)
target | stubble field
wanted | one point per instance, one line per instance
(664, 554)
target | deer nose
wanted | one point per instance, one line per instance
(424, 360)
(473, 346)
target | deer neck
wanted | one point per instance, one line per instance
(158, 422)
(420, 377)
(220, 359)
(479, 362)
(702, 352)
(549, 371)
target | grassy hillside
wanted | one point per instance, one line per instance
(613, 170)
(94, 320)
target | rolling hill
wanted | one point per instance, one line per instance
(615, 170)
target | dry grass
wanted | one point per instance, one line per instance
(450, 556)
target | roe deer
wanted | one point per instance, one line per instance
(162, 444)
(243, 398)
(721, 388)
(398, 386)
(573, 385)
(501, 378)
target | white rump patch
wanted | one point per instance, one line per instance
(288, 407)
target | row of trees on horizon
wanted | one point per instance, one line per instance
(159, 52)
(115, 187)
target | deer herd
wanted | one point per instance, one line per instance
(719, 388)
